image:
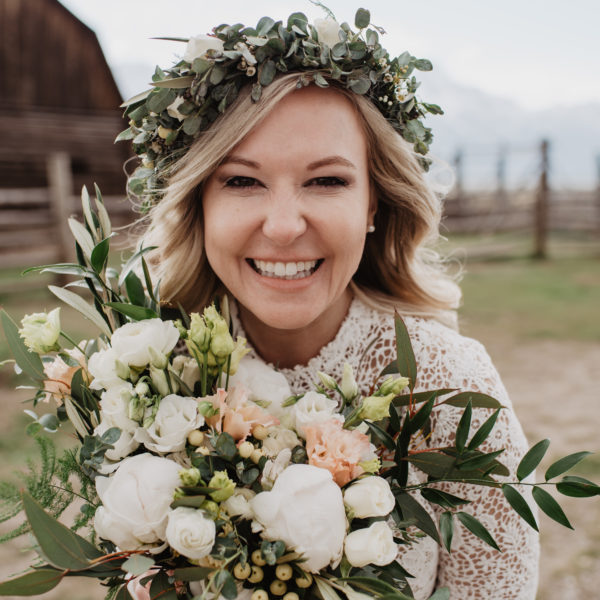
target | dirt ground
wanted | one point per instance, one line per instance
(555, 393)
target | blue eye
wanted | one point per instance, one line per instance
(328, 181)
(239, 181)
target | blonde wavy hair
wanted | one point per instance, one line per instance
(398, 271)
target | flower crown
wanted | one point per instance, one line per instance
(188, 97)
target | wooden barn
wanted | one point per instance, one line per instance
(59, 117)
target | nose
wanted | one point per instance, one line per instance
(284, 221)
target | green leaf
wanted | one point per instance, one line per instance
(375, 586)
(463, 427)
(137, 564)
(33, 583)
(320, 80)
(407, 365)
(422, 64)
(62, 547)
(550, 506)
(519, 504)
(477, 529)
(175, 83)
(192, 573)
(564, 464)
(225, 446)
(137, 313)
(385, 437)
(577, 487)
(419, 420)
(135, 289)
(419, 397)
(436, 464)
(132, 262)
(126, 134)
(29, 362)
(479, 461)
(225, 583)
(362, 18)
(80, 305)
(441, 498)
(411, 509)
(532, 459)
(477, 400)
(100, 254)
(359, 86)
(267, 72)
(160, 98)
(102, 213)
(446, 529)
(264, 26)
(82, 236)
(192, 125)
(189, 501)
(482, 433)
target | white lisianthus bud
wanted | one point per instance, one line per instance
(199, 45)
(373, 545)
(328, 31)
(40, 331)
(370, 497)
(239, 351)
(159, 379)
(157, 359)
(349, 386)
(329, 383)
(122, 370)
(187, 369)
(393, 385)
(375, 408)
(190, 532)
(141, 389)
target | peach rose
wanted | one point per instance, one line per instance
(338, 450)
(60, 375)
(238, 416)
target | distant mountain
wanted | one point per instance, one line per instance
(480, 125)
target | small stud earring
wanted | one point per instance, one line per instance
(370, 228)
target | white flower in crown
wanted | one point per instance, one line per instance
(173, 108)
(199, 45)
(328, 31)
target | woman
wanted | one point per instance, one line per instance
(312, 213)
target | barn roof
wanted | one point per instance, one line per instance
(50, 59)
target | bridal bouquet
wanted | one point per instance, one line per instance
(201, 475)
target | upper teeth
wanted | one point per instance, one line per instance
(287, 269)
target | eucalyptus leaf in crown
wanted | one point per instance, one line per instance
(186, 98)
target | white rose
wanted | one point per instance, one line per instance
(123, 447)
(313, 408)
(175, 418)
(370, 497)
(40, 331)
(114, 405)
(305, 510)
(135, 502)
(373, 545)
(262, 383)
(132, 341)
(102, 366)
(190, 532)
(199, 45)
(278, 439)
(328, 31)
(238, 505)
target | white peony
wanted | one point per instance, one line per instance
(278, 439)
(305, 510)
(238, 505)
(132, 341)
(190, 532)
(123, 447)
(114, 405)
(262, 383)
(199, 45)
(102, 366)
(373, 545)
(135, 502)
(273, 468)
(370, 497)
(175, 418)
(328, 31)
(313, 408)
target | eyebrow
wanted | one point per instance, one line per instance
(323, 162)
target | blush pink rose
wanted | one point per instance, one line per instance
(330, 446)
(59, 376)
(238, 416)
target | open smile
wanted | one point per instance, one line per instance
(285, 270)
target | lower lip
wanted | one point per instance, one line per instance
(279, 283)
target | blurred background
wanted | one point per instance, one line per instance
(519, 84)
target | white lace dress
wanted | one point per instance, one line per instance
(445, 359)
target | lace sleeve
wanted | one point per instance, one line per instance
(474, 570)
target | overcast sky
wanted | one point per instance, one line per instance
(540, 53)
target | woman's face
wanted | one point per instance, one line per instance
(286, 214)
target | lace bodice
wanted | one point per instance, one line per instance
(473, 571)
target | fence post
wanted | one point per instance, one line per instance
(541, 206)
(60, 182)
